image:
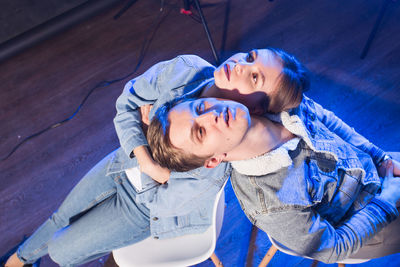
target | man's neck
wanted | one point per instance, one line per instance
(262, 137)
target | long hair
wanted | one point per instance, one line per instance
(294, 81)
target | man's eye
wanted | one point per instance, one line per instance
(250, 57)
(254, 76)
(201, 132)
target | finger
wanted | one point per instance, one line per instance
(389, 169)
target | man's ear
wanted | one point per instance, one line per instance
(214, 161)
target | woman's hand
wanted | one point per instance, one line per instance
(156, 172)
(149, 166)
(144, 112)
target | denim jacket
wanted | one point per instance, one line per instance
(315, 195)
(184, 204)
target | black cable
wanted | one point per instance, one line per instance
(104, 83)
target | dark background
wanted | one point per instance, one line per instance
(45, 83)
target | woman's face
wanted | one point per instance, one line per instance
(249, 78)
(208, 126)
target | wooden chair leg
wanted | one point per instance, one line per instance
(341, 265)
(267, 258)
(216, 261)
(314, 263)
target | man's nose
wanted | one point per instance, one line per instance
(210, 117)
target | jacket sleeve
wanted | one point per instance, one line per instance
(347, 133)
(158, 83)
(308, 234)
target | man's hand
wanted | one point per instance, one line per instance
(383, 167)
(390, 186)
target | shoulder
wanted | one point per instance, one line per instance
(194, 61)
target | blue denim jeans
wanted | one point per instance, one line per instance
(97, 216)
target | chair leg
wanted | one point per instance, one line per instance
(267, 258)
(216, 261)
(314, 263)
(341, 265)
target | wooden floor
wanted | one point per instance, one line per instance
(46, 84)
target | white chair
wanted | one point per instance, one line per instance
(276, 246)
(179, 251)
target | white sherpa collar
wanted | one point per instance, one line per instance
(279, 157)
(269, 162)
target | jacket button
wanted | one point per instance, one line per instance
(155, 218)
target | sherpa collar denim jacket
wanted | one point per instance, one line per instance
(315, 195)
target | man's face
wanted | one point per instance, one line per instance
(207, 126)
(249, 77)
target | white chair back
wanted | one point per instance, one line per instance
(175, 252)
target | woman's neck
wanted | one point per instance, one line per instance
(211, 90)
(262, 137)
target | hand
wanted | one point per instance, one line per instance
(383, 167)
(390, 186)
(144, 111)
(149, 166)
(157, 173)
(396, 168)
(14, 261)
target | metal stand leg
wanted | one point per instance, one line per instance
(203, 21)
(124, 9)
(374, 29)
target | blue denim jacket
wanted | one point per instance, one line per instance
(317, 196)
(184, 204)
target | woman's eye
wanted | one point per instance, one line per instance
(254, 76)
(200, 108)
(250, 57)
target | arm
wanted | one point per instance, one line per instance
(313, 236)
(347, 133)
(160, 83)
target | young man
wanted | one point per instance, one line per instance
(314, 189)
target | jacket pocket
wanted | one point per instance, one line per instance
(195, 218)
(313, 179)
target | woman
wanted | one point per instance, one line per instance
(115, 205)
(304, 177)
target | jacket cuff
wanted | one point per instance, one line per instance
(132, 143)
(377, 154)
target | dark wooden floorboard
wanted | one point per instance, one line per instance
(46, 83)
